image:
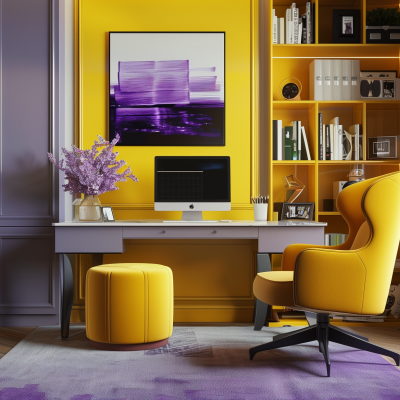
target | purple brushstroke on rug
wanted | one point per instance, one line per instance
(30, 392)
(201, 363)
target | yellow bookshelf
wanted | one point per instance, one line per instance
(377, 118)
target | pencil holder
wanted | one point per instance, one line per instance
(260, 211)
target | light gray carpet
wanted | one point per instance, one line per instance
(199, 363)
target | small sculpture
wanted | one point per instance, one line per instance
(293, 188)
(355, 175)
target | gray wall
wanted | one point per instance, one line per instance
(29, 121)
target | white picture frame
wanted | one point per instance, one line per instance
(108, 215)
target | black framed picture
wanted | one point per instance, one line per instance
(346, 27)
(300, 211)
(108, 215)
(167, 88)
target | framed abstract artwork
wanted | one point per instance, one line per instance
(167, 88)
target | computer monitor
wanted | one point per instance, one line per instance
(192, 185)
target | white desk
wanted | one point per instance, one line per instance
(105, 238)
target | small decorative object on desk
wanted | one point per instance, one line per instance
(383, 25)
(300, 211)
(260, 207)
(293, 188)
(91, 173)
(108, 215)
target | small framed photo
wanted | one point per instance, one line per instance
(300, 211)
(378, 74)
(346, 27)
(108, 215)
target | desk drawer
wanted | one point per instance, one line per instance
(192, 232)
(276, 239)
(89, 239)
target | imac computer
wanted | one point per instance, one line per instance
(192, 185)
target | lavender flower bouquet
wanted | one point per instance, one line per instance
(94, 171)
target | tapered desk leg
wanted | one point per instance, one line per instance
(68, 289)
(67, 293)
(261, 308)
(97, 259)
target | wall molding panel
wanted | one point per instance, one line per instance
(29, 116)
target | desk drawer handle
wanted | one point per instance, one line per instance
(214, 231)
(163, 231)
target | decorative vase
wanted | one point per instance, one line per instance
(90, 208)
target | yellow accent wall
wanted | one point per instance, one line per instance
(239, 20)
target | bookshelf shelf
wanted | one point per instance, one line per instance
(376, 117)
(364, 162)
(334, 50)
(291, 162)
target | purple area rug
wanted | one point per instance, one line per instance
(199, 363)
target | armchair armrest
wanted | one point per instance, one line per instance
(291, 253)
(331, 280)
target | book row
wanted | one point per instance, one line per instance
(334, 143)
(290, 142)
(294, 29)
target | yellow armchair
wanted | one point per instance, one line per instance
(352, 278)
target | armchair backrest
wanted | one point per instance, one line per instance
(349, 205)
(381, 206)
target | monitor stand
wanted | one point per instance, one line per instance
(192, 216)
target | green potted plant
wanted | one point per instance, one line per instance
(383, 25)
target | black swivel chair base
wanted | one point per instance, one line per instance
(324, 333)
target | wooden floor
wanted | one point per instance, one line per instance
(388, 337)
(10, 337)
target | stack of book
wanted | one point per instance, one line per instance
(292, 315)
(334, 143)
(334, 239)
(392, 307)
(361, 318)
(293, 28)
(335, 80)
(290, 142)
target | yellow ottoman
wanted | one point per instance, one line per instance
(129, 306)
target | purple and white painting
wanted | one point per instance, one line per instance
(167, 88)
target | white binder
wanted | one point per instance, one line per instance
(346, 80)
(315, 81)
(327, 79)
(355, 80)
(336, 79)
